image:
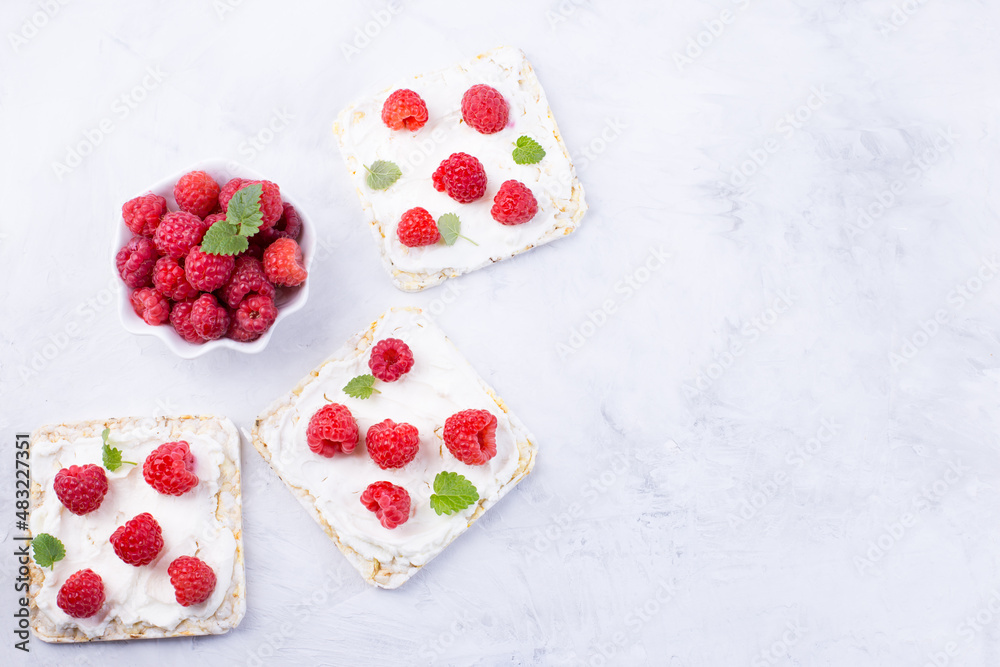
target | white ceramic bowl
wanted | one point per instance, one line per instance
(288, 299)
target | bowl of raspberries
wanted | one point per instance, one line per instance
(214, 256)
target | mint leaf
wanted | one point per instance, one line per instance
(449, 225)
(452, 492)
(382, 174)
(361, 387)
(528, 151)
(112, 457)
(244, 211)
(223, 238)
(243, 220)
(47, 550)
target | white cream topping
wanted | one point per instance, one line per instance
(440, 384)
(189, 523)
(419, 153)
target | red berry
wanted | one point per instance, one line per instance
(404, 109)
(170, 469)
(214, 218)
(81, 489)
(462, 177)
(193, 580)
(255, 314)
(238, 333)
(208, 318)
(392, 445)
(139, 541)
(270, 199)
(82, 595)
(207, 272)
(417, 228)
(142, 214)
(471, 436)
(484, 109)
(178, 232)
(331, 430)
(248, 276)
(150, 305)
(514, 204)
(391, 358)
(170, 281)
(289, 226)
(180, 320)
(390, 503)
(136, 262)
(283, 263)
(196, 192)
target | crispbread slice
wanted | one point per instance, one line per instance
(227, 510)
(555, 185)
(269, 433)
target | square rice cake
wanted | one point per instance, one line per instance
(205, 522)
(364, 138)
(440, 383)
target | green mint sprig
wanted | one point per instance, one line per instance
(243, 220)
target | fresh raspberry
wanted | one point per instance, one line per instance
(150, 305)
(170, 281)
(82, 595)
(180, 320)
(178, 232)
(392, 445)
(417, 228)
(142, 214)
(471, 436)
(238, 333)
(139, 541)
(391, 358)
(283, 263)
(255, 314)
(404, 109)
(331, 430)
(214, 218)
(462, 177)
(514, 204)
(248, 276)
(136, 261)
(196, 192)
(270, 199)
(208, 318)
(193, 580)
(289, 226)
(170, 469)
(484, 109)
(207, 272)
(390, 503)
(81, 489)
